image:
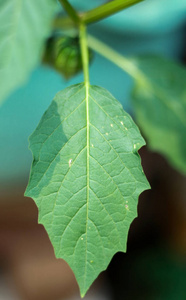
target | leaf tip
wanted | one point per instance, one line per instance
(83, 292)
(82, 295)
(26, 193)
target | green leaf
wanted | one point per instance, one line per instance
(159, 101)
(86, 178)
(24, 26)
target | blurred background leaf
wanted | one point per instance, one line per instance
(159, 104)
(24, 26)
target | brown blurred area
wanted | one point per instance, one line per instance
(26, 253)
(29, 266)
(27, 261)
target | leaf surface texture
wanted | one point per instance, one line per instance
(86, 178)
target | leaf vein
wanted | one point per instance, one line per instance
(107, 214)
(108, 175)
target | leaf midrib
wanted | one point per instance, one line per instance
(88, 167)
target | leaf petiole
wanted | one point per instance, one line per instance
(84, 52)
(118, 59)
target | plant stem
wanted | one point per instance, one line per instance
(70, 11)
(106, 10)
(84, 52)
(115, 57)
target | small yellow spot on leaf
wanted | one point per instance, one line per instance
(70, 162)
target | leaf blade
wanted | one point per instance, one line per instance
(24, 26)
(87, 197)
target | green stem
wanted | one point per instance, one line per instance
(70, 11)
(115, 57)
(106, 10)
(84, 52)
